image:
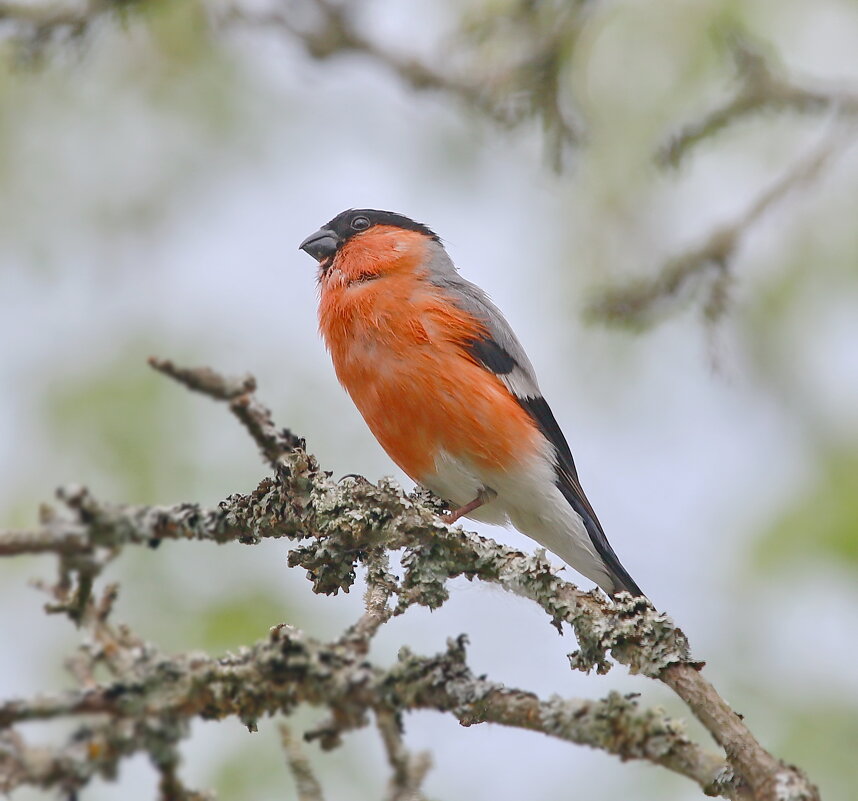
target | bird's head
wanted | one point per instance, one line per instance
(362, 244)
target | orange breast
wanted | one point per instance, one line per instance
(396, 345)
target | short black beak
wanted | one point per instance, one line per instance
(321, 245)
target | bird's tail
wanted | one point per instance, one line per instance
(618, 575)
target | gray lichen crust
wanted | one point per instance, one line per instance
(334, 530)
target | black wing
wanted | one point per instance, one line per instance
(493, 356)
(569, 484)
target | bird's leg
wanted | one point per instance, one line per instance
(483, 496)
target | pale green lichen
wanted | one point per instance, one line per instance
(335, 527)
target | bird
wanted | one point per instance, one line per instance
(447, 389)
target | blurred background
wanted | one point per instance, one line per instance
(160, 162)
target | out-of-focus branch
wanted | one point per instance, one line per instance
(97, 753)
(761, 88)
(324, 29)
(508, 93)
(306, 783)
(45, 540)
(409, 770)
(329, 30)
(639, 303)
(338, 526)
(508, 62)
(33, 26)
(53, 15)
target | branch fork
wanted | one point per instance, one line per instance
(336, 529)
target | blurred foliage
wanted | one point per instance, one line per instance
(821, 521)
(127, 421)
(109, 129)
(152, 95)
(521, 53)
(794, 326)
(234, 621)
(254, 769)
(825, 735)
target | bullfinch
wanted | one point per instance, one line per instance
(447, 389)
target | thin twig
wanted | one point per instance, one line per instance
(289, 668)
(338, 525)
(16, 543)
(409, 770)
(761, 87)
(239, 393)
(206, 380)
(335, 34)
(52, 15)
(639, 303)
(306, 783)
(380, 585)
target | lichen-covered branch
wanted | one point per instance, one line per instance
(274, 676)
(239, 393)
(336, 528)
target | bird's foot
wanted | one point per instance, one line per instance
(483, 496)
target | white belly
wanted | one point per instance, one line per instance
(529, 499)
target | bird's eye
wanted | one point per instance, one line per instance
(360, 223)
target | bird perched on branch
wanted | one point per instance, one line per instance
(447, 389)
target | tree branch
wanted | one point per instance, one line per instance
(638, 304)
(239, 393)
(761, 88)
(276, 675)
(508, 94)
(336, 527)
(306, 783)
(409, 770)
(334, 34)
